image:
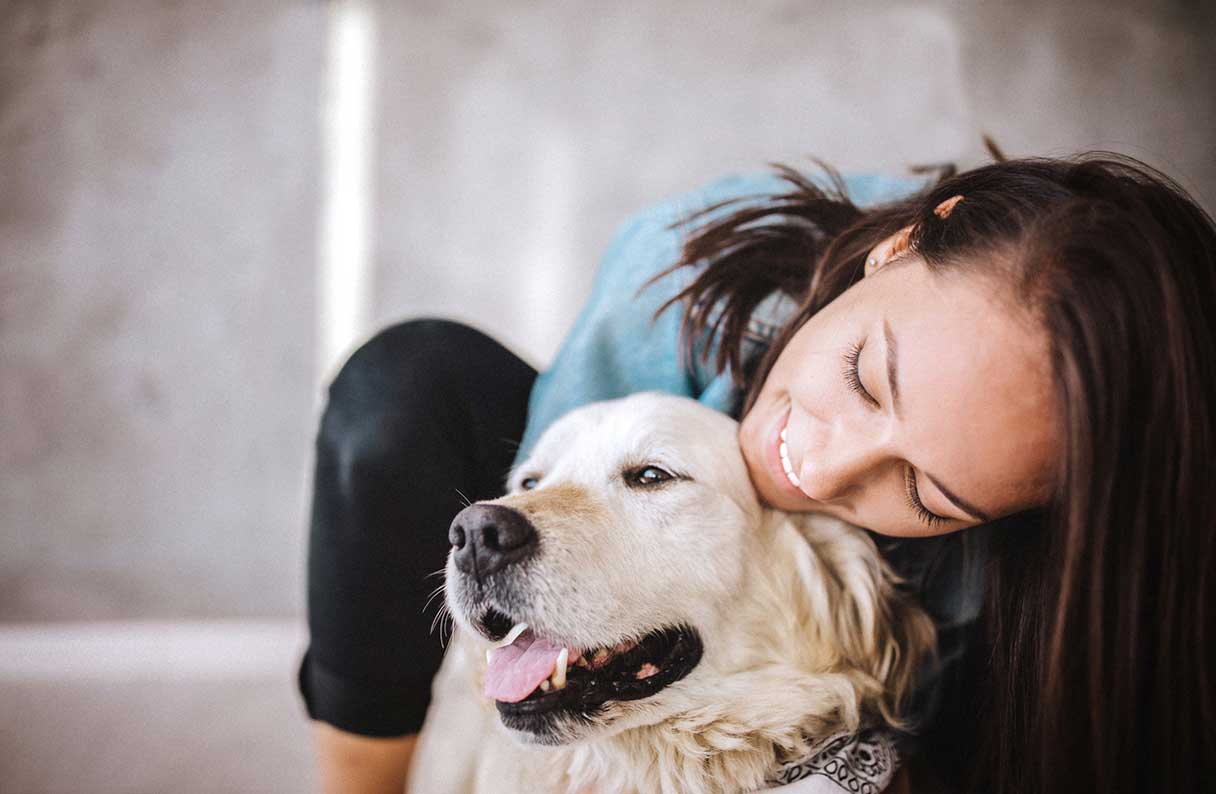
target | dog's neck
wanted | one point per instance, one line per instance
(732, 745)
(730, 733)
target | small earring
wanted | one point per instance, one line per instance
(871, 262)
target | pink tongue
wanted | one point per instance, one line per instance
(516, 670)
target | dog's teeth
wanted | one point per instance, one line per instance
(559, 672)
(489, 655)
(544, 685)
(512, 635)
(600, 657)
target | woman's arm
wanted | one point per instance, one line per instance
(352, 764)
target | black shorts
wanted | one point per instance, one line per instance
(423, 418)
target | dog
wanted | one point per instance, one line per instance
(629, 618)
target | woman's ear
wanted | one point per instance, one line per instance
(888, 249)
(898, 243)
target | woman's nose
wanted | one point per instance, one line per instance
(838, 458)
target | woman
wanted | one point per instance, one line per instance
(1019, 351)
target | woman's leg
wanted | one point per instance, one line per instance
(424, 416)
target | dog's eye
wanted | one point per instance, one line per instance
(648, 475)
(528, 483)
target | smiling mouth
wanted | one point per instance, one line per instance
(784, 451)
(781, 468)
(580, 682)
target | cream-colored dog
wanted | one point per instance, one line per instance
(630, 619)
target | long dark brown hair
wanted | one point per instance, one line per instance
(1100, 614)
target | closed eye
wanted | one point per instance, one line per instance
(852, 375)
(924, 514)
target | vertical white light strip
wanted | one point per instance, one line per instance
(548, 293)
(347, 123)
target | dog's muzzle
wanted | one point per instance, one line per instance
(486, 538)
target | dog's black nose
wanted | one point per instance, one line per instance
(487, 538)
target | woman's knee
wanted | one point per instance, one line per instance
(404, 366)
(389, 411)
(422, 389)
(414, 378)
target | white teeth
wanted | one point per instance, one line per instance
(544, 685)
(784, 449)
(784, 430)
(559, 672)
(489, 655)
(512, 635)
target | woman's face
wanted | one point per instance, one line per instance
(914, 404)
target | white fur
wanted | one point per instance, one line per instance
(803, 630)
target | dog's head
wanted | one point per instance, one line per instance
(632, 547)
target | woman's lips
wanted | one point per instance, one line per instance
(773, 456)
(784, 451)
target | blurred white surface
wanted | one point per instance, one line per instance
(111, 708)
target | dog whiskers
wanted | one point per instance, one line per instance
(431, 597)
(441, 613)
(438, 620)
(445, 620)
(467, 502)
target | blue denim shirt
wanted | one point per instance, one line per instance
(617, 347)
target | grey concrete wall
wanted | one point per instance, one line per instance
(159, 164)
(515, 136)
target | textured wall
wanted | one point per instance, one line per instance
(515, 136)
(159, 173)
(158, 164)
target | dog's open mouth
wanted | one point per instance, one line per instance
(530, 676)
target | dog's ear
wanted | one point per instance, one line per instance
(879, 629)
(908, 643)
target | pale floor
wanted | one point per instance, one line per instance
(152, 707)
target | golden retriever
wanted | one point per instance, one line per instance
(629, 618)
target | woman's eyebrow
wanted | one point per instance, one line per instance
(892, 368)
(893, 388)
(965, 506)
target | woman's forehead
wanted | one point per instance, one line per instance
(975, 384)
